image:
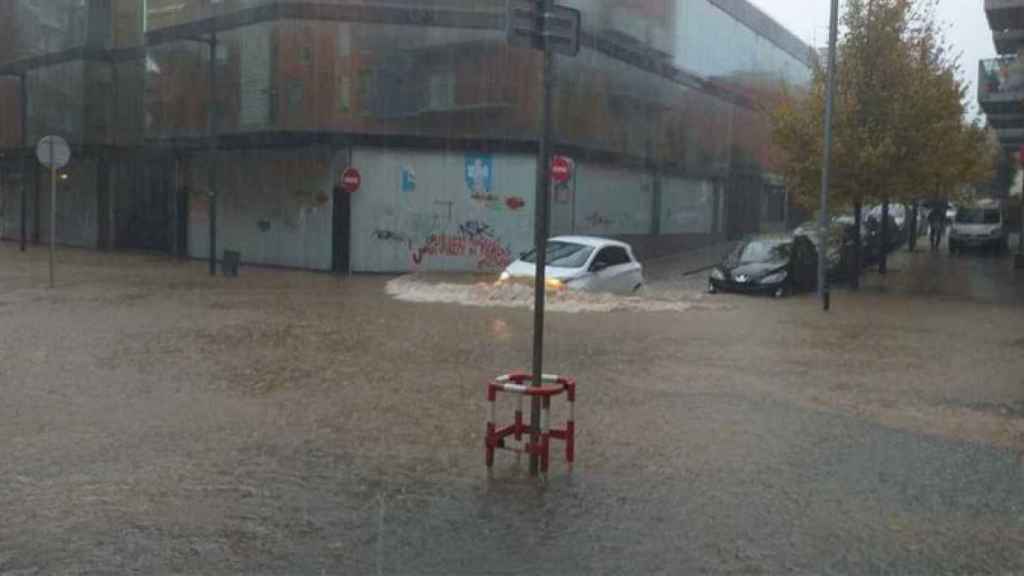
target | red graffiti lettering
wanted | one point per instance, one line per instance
(490, 252)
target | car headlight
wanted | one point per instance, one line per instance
(717, 274)
(505, 276)
(554, 284)
(774, 278)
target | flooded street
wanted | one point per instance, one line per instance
(157, 420)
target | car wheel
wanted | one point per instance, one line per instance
(638, 290)
(712, 289)
(781, 292)
(952, 248)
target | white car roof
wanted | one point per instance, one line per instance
(594, 241)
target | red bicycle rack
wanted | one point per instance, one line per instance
(521, 385)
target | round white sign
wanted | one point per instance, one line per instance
(53, 152)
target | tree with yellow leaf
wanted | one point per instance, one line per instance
(899, 131)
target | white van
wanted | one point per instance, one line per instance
(982, 225)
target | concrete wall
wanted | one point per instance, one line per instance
(274, 206)
(687, 206)
(613, 201)
(440, 210)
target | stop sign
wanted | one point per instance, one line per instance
(561, 170)
(350, 180)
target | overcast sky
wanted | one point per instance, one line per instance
(967, 29)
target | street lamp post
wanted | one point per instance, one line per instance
(823, 290)
(212, 120)
(541, 234)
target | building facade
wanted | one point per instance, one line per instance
(1001, 80)
(257, 106)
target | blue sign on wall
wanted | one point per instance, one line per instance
(408, 179)
(479, 174)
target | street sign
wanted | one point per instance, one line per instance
(53, 152)
(527, 25)
(561, 170)
(351, 180)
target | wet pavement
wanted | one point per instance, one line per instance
(156, 420)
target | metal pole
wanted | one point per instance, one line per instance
(1020, 227)
(53, 208)
(212, 119)
(28, 164)
(823, 291)
(541, 236)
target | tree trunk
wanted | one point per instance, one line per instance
(883, 258)
(912, 239)
(855, 263)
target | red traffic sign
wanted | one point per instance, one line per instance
(350, 180)
(561, 169)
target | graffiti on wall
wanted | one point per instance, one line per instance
(474, 239)
(392, 236)
(473, 229)
(598, 220)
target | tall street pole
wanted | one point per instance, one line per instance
(53, 208)
(29, 165)
(541, 235)
(826, 169)
(212, 119)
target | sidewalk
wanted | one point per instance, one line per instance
(686, 263)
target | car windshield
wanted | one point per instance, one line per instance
(977, 216)
(762, 251)
(563, 254)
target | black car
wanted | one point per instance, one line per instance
(776, 265)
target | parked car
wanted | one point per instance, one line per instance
(836, 251)
(776, 265)
(982, 225)
(583, 263)
(897, 233)
(870, 236)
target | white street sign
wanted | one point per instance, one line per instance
(53, 152)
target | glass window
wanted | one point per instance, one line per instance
(762, 251)
(978, 216)
(612, 256)
(563, 254)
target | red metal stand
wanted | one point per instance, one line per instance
(520, 385)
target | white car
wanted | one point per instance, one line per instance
(583, 263)
(981, 225)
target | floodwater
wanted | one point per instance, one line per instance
(157, 420)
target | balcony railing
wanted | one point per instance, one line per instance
(1001, 85)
